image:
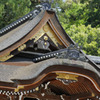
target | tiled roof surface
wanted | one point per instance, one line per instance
(18, 29)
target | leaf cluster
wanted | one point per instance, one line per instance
(87, 37)
(80, 19)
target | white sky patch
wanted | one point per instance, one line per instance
(64, 0)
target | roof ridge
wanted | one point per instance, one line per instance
(30, 15)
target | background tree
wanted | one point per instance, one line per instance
(87, 37)
(80, 20)
(10, 10)
(94, 13)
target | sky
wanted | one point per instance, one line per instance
(64, 0)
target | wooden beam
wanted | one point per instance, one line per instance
(81, 96)
(48, 97)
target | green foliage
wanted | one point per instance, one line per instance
(93, 13)
(10, 10)
(80, 19)
(78, 12)
(73, 14)
(87, 37)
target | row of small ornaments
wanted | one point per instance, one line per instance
(45, 57)
(10, 93)
(28, 16)
(15, 24)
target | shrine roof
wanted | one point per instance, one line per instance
(12, 72)
(96, 59)
(9, 38)
(21, 27)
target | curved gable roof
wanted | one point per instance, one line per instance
(19, 32)
(18, 36)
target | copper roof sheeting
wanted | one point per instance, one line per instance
(20, 32)
(8, 72)
(96, 59)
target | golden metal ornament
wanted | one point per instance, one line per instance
(22, 47)
(67, 76)
(37, 89)
(46, 29)
(18, 88)
(6, 57)
(93, 95)
(45, 43)
(45, 38)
